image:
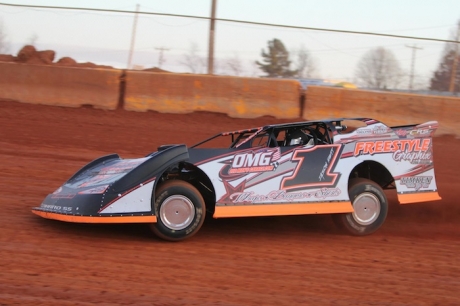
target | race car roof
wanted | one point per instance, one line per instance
(295, 124)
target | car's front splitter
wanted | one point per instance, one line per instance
(146, 218)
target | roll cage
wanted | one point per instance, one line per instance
(280, 135)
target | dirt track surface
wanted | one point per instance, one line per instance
(304, 260)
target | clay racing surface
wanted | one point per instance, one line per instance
(303, 260)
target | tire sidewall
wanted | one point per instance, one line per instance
(186, 190)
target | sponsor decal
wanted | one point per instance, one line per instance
(420, 132)
(121, 167)
(401, 132)
(95, 190)
(95, 180)
(419, 157)
(59, 195)
(62, 196)
(416, 151)
(49, 207)
(255, 161)
(364, 132)
(378, 130)
(416, 182)
(282, 196)
(314, 168)
(230, 190)
(326, 166)
(111, 173)
(309, 168)
(424, 132)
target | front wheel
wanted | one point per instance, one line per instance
(180, 211)
(370, 207)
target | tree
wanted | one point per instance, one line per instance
(234, 65)
(305, 65)
(193, 61)
(4, 45)
(276, 61)
(442, 77)
(379, 69)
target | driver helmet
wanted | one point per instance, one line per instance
(297, 137)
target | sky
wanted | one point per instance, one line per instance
(167, 42)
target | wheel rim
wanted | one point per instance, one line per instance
(366, 208)
(177, 212)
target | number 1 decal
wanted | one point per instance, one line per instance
(313, 168)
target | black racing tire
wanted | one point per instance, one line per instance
(370, 206)
(180, 211)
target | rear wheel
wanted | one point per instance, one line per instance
(370, 207)
(180, 211)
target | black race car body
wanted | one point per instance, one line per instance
(312, 167)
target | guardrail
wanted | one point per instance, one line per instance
(60, 86)
(237, 97)
(388, 107)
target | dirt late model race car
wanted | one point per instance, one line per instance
(312, 167)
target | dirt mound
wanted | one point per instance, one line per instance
(30, 55)
(26, 53)
(6, 58)
(67, 61)
(156, 69)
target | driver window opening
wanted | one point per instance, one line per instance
(299, 137)
(260, 140)
(281, 138)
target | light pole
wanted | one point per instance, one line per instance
(411, 77)
(133, 38)
(211, 38)
(455, 63)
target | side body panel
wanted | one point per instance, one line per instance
(407, 153)
(265, 181)
(277, 181)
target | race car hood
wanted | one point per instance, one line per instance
(102, 174)
(108, 179)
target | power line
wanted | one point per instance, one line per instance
(231, 20)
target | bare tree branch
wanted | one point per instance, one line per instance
(4, 44)
(306, 66)
(379, 69)
(193, 60)
(234, 65)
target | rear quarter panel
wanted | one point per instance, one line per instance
(406, 151)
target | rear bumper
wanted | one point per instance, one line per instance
(417, 197)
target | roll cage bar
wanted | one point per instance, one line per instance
(323, 130)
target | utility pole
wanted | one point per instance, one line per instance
(133, 38)
(455, 63)
(411, 76)
(211, 38)
(160, 56)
